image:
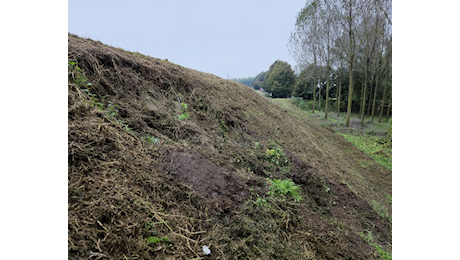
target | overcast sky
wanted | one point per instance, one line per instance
(237, 38)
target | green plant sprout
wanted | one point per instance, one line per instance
(184, 115)
(284, 187)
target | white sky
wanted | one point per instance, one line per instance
(237, 38)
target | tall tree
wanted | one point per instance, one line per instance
(347, 16)
(326, 40)
(303, 43)
(368, 40)
(338, 92)
(256, 84)
(388, 55)
(338, 61)
(305, 83)
(280, 79)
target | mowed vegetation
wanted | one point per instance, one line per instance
(165, 160)
(373, 138)
(377, 148)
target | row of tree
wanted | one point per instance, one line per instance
(339, 42)
(340, 46)
(310, 82)
(245, 81)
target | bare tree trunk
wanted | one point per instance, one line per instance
(328, 60)
(338, 98)
(350, 93)
(314, 86)
(383, 98)
(363, 97)
(350, 62)
(314, 98)
(361, 102)
(370, 92)
(389, 106)
(327, 90)
(375, 96)
(319, 96)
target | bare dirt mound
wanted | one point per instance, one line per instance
(164, 160)
(207, 179)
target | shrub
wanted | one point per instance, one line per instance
(303, 104)
(343, 106)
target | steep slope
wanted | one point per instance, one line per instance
(162, 152)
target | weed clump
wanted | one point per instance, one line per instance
(276, 156)
(273, 154)
(284, 188)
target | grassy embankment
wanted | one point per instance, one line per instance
(372, 138)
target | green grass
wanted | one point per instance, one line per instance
(378, 148)
(370, 239)
(389, 199)
(372, 138)
(381, 211)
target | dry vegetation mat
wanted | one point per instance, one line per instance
(167, 162)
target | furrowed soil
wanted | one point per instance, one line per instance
(144, 184)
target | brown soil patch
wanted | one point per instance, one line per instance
(206, 179)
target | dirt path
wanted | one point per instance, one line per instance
(286, 103)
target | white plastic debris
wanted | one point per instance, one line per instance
(206, 250)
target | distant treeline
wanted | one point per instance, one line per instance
(311, 83)
(245, 81)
